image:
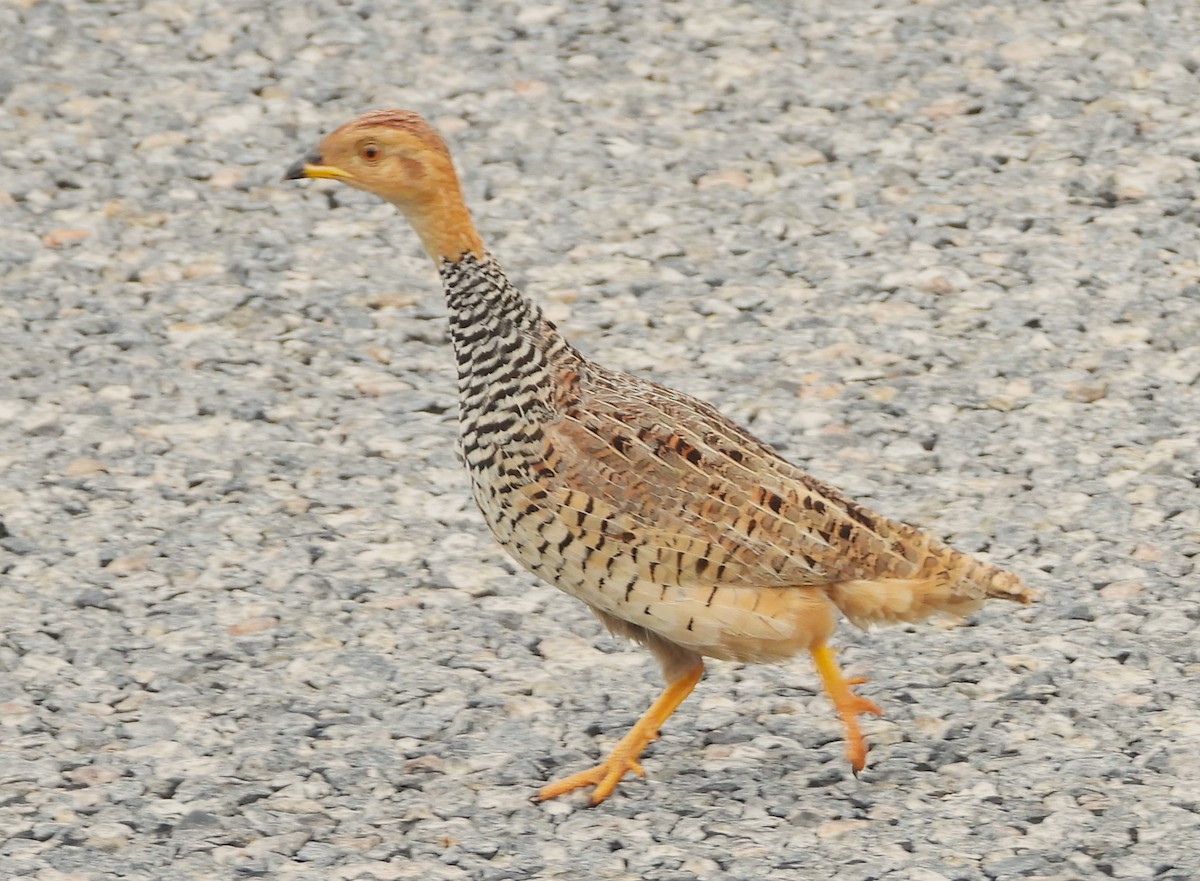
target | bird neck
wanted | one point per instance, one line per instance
(443, 223)
(511, 358)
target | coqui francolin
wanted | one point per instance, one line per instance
(678, 528)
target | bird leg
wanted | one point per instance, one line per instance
(846, 702)
(624, 756)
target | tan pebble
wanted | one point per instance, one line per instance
(1146, 553)
(128, 563)
(722, 179)
(1121, 590)
(202, 269)
(82, 799)
(360, 842)
(889, 312)
(297, 505)
(185, 327)
(474, 578)
(382, 354)
(293, 805)
(824, 392)
(451, 125)
(432, 763)
(1019, 388)
(567, 648)
(56, 238)
(937, 283)
(131, 703)
(835, 828)
(163, 139)
(91, 775)
(214, 42)
(374, 384)
(1022, 662)
(1086, 391)
(109, 836)
(1129, 699)
(226, 178)
(1026, 49)
(525, 707)
(393, 603)
(803, 156)
(386, 447)
(557, 312)
(115, 392)
(78, 107)
(162, 274)
(1144, 494)
(391, 299)
(225, 121)
(530, 88)
(537, 14)
(252, 625)
(952, 105)
(83, 467)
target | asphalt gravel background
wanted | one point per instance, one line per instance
(942, 253)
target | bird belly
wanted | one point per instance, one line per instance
(613, 573)
(730, 622)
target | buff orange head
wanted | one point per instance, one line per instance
(397, 156)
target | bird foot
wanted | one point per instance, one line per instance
(604, 777)
(624, 757)
(849, 705)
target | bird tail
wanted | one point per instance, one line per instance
(955, 589)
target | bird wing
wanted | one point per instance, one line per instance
(720, 505)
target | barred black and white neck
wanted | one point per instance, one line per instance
(510, 359)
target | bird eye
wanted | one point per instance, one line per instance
(370, 152)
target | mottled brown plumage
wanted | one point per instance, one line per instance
(678, 528)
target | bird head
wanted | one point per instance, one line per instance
(397, 156)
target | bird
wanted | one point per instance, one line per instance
(678, 528)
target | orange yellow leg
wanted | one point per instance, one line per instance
(848, 704)
(624, 756)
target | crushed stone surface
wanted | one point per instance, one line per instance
(943, 254)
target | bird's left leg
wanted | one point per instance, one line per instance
(624, 756)
(848, 704)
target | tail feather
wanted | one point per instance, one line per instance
(958, 593)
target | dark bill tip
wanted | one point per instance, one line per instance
(296, 169)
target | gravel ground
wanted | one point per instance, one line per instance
(943, 253)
